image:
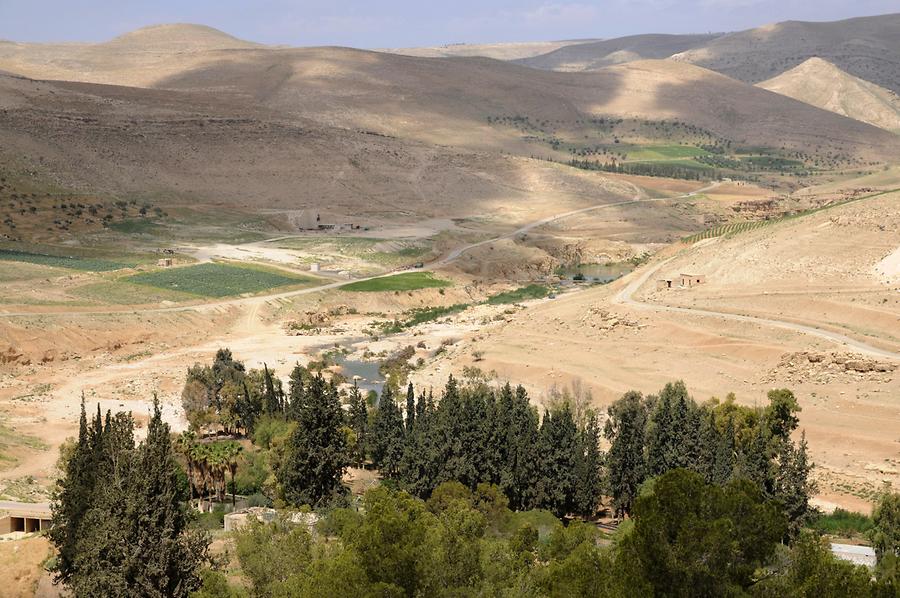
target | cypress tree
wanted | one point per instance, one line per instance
(792, 485)
(296, 392)
(271, 400)
(134, 539)
(359, 423)
(316, 453)
(72, 498)
(625, 430)
(559, 453)
(387, 434)
(723, 469)
(588, 468)
(660, 437)
(410, 408)
(709, 442)
(522, 469)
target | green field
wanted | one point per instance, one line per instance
(217, 280)
(532, 291)
(408, 281)
(662, 152)
(70, 262)
(136, 226)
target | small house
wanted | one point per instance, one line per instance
(692, 280)
(665, 283)
(314, 267)
(165, 262)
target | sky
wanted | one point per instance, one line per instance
(405, 23)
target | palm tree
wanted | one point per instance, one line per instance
(185, 445)
(232, 451)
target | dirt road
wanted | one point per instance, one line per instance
(626, 297)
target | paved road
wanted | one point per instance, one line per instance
(438, 263)
(625, 297)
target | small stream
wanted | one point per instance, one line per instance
(370, 377)
(601, 273)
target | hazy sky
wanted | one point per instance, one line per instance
(397, 23)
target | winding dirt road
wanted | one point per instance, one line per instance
(626, 297)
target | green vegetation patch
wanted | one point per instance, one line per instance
(532, 291)
(408, 281)
(843, 523)
(421, 316)
(663, 152)
(70, 262)
(217, 280)
(141, 226)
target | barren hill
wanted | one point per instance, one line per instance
(448, 101)
(190, 149)
(135, 58)
(594, 55)
(498, 51)
(820, 83)
(177, 37)
(865, 47)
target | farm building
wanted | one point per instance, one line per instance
(24, 517)
(665, 283)
(692, 280)
(164, 262)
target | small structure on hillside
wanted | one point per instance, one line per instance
(165, 262)
(314, 267)
(692, 280)
(25, 518)
(664, 283)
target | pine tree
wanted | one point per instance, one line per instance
(316, 453)
(387, 434)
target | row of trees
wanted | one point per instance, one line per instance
(476, 435)
(121, 524)
(721, 441)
